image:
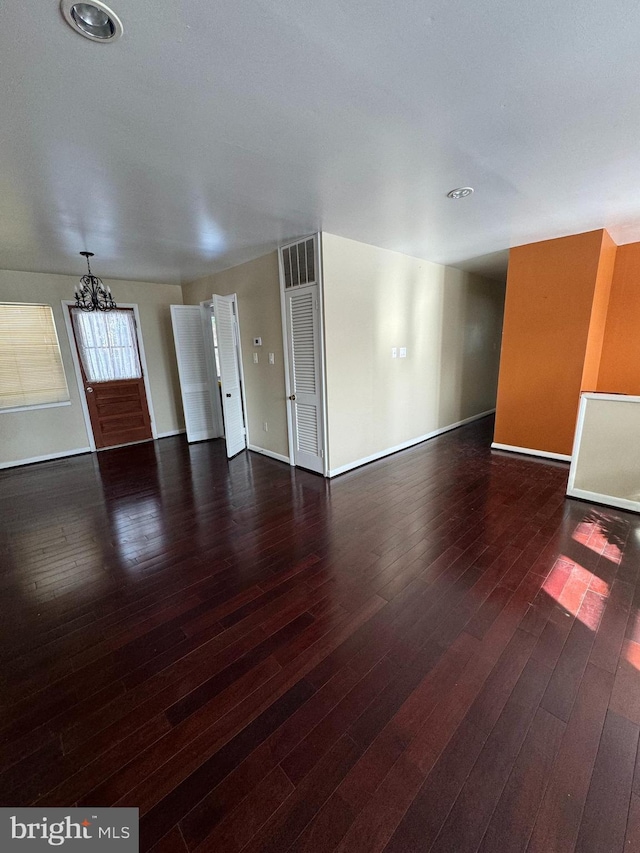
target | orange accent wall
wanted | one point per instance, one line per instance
(548, 315)
(620, 361)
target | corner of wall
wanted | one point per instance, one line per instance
(599, 311)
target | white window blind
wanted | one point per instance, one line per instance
(107, 344)
(31, 371)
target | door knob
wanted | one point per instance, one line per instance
(292, 397)
(89, 390)
(228, 395)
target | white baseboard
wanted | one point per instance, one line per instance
(46, 458)
(405, 444)
(546, 454)
(268, 453)
(170, 432)
(607, 500)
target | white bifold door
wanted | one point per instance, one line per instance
(305, 379)
(224, 309)
(201, 409)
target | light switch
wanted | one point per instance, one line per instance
(394, 352)
(272, 358)
(257, 342)
(255, 358)
(403, 352)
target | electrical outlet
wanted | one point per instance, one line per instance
(255, 358)
(265, 426)
(272, 358)
(403, 352)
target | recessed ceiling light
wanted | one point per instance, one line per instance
(93, 20)
(461, 192)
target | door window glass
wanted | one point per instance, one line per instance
(107, 345)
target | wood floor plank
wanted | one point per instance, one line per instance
(298, 810)
(173, 842)
(567, 674)
(246, 820)
(227, 795)
(558, 821)
(512, 821)
(632, 837)
(172, 808)
(606, 811)
(469, 817)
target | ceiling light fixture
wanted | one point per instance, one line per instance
(92, 295)
(93, 20)
(460, 192)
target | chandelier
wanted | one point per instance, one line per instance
(91, 294)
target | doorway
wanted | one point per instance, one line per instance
(209, 355)
(111, 372)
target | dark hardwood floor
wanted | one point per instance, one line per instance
(436, 652)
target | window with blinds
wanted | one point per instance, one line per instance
(31, 371)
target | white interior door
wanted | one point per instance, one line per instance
(305, 379)
(232, 407)
(196, 388)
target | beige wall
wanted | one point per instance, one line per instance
(449, 321)
(43, 432)
(258, 288)
(608, 458)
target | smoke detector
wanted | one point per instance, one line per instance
(460, 192)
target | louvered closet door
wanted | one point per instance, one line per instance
(195, 384)
(304, 375)
(226, 329)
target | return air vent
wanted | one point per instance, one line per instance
(299, 263)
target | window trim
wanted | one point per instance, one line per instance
(36, 406)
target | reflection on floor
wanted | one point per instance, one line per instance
(436, 652)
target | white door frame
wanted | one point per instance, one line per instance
(76, 364)
(241, 367)
(323, 371)
(206, 313)
(287, 355)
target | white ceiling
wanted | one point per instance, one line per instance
(213, 130)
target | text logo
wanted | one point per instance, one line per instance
(97, 829)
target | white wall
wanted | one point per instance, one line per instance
(61, 430)
(449, 321)
(258, 287)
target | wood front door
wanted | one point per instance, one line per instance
(112, 376)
